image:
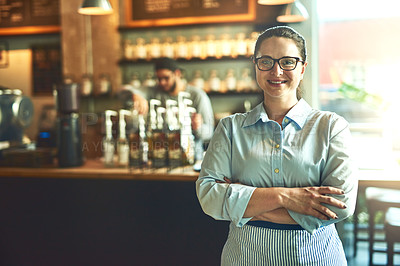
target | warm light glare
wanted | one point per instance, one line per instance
(274, 2)
(95, 7)
(294, 12)
(94, 11)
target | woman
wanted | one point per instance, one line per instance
(281, 173)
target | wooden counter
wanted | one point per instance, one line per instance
(92, 215)
(94, 169)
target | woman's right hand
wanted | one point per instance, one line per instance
(310, 200)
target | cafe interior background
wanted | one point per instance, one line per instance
(352, 70)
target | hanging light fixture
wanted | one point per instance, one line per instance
(95, 7)
(293, 12)
(274, 2)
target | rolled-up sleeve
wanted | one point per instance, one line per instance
(222, 201)
(203, 105)
(340, 171)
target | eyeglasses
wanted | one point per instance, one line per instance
(266, 63)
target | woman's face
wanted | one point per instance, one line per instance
(278, 83)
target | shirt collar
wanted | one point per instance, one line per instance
(256, 114)
(298, 114)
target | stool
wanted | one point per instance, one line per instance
(378, 199)
(356, 226)
(392, 232)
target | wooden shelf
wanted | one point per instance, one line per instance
(182, 60)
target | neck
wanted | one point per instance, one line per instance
(277, 108)
(179, 87)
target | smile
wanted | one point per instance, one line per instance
(277, 81)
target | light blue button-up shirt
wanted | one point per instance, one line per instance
(312, 148)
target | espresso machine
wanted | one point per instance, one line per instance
(69, 138)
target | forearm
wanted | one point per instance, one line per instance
(205, 132)
(307, 200)
(263, 200)
(280, 216)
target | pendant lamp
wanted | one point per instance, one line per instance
(293, 12)
(274, 2)
(95, 7)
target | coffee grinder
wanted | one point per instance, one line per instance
(69, 138)
(16, 114)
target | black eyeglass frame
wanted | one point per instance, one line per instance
(255, 60)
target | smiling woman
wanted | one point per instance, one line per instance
(282, 173)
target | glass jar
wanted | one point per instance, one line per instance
(128, 49)
(211, 46)
(140, 49)
(225, 46)
(196, 47)
(181, 48)
(198, 80)
(154, 49)
(87, 85)
(167, 49)
(241, 45)
(214, 82)
(135, 81)
(230, 80)
(251, 42)
(149, 80)
(104, 87)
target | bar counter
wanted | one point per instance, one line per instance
(92, 215)
(94, 169)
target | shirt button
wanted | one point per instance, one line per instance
(276, 170)
(277, 146)
(286, 120)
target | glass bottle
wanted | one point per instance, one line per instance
(196, 47)
(225, 46)
(211, 46)
(214, 82)
(154, 49)
(108, 142)
(122, 142)
(198, 80)
(140, 49)
(181, 48)
(149, 80)
(138, 145)
(230, 80)
(245, 81)
(87, 85)
(128, 49)
(167, 49)
(104, 87)
(135, 81)
(251, 42)
(159, 141)
(241, 45)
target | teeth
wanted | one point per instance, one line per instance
(276, 82)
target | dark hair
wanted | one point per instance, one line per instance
(166, 63)
(289, 33)
(285, 32)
